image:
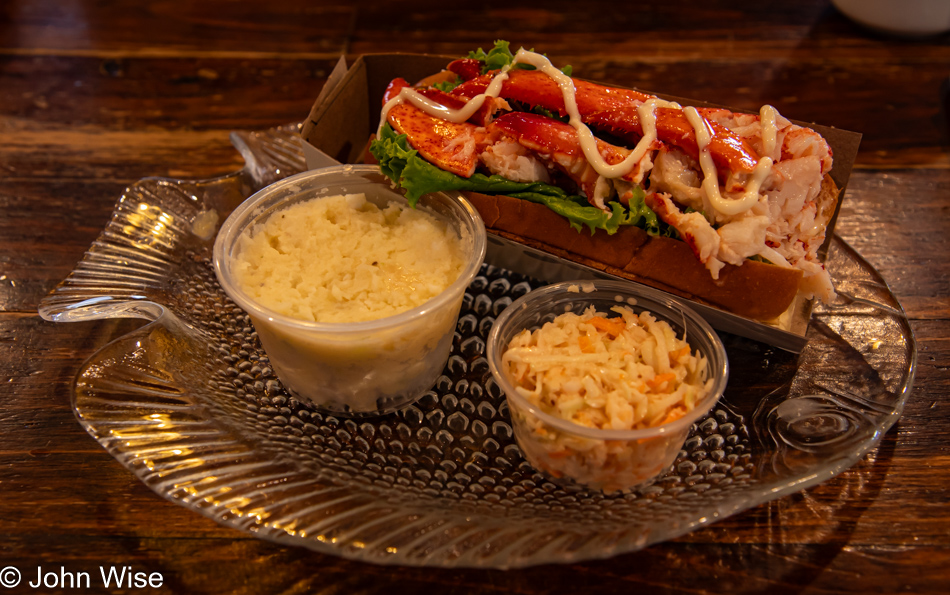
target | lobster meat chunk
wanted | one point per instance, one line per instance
(517, 145)
(692, 228)
(556, 145)
(734, 186)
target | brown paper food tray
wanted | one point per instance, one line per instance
(347, 112)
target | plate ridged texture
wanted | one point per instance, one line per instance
(190, 404)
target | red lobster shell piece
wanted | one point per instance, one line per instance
(466, 68)
(456, 147)
(393, 88)
(614, 110)
(446, 145)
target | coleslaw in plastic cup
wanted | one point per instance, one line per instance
(552, 429)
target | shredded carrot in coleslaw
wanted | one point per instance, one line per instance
(628, 371)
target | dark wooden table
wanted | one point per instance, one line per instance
(95, 95)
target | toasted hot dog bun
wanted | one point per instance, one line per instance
(756, 290)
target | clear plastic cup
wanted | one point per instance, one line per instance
(360, 368)
(608, 460)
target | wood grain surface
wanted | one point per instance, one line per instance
(96, 95)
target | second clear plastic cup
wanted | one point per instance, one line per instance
(361, 368)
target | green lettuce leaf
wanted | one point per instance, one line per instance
(496, 58)
(417, 176)
(447, 86)
(500, 56)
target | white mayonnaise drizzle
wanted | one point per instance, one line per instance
(647, 113)
(588, 142)
(767, 117)
(762, 170)
(456, 116)
(710, 177)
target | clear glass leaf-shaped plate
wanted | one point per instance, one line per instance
(189, 403)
